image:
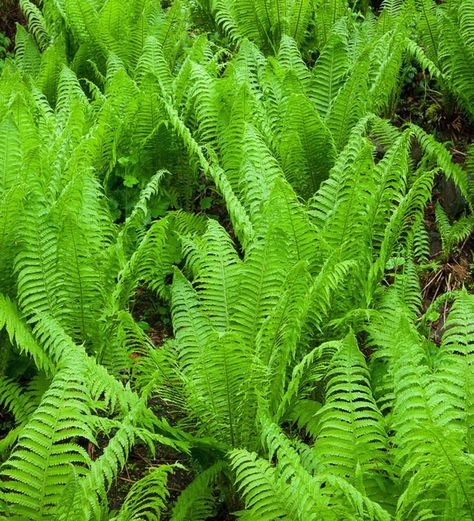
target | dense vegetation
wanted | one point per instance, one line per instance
(224, 244)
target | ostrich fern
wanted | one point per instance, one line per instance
(307, 383)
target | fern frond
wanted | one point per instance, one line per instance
(261, 280)
(36, 23)
(351, 426)
(152, 61)
(147, 496)
(40, 466)
(27, 54)
(348, 107)
(454, 363)
(330, 70)
(439, 153)
(217, 275)
(452, 234)
(197, 502)
(257, 482)
(14, 400)
(307, 147)
(21, 336)
(193, 329)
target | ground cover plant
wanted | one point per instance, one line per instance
(236, 261)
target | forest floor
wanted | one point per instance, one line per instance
(10, 15)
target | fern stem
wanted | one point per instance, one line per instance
(295, 32)
(229, 402)
(430, 31)
(466, 495)
(81, 300)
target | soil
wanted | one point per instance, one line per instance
(10, 14)
(439, 116)
(138, 465)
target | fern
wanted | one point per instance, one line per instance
(452, 234)
(147, 496)
(310, 377)
(197, 502)
(46, 450)
(349, 418)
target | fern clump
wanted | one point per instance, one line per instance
(255, 185)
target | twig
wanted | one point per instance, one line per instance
(127, 480)
(456, 151)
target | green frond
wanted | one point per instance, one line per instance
(137, 218)
(217, 275)
(455, 233)
(419, 55)
(226, 17)
(390, 176)
(258, 483)
(261, 280)
(47, 450)
(407, 215)
(280, 334)
(427, 440)
(299, 17)
(240, 219)
(21, 336)
(323, 203)
(192, 327)
(388, 53)
(36, 23)
(264, 23)
(349, 106)
(27, 54)
(455, 362)
(289, 57)
(328, 17)
(92, 486)
(228, 365)
(428, 27)
(147, 497)
(306, 148)
(305, 376)
(21, 404)
(392, 7)
(14, 400)
(351, 427)
(330, 70)
(231, 133)
(259, 169)
(170, 28)
(438, 153)
(82, 18)
(151, 262)
(197, 502)
(407, 284)
(284, 210)
(421, 243)
(338, 206)
(10, 154)
(287, 491)
(290, 470)
(456, 56)
(152, 61)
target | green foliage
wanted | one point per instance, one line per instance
(260, 198)
(445, 33)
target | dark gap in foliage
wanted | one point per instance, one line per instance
(10, 15)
